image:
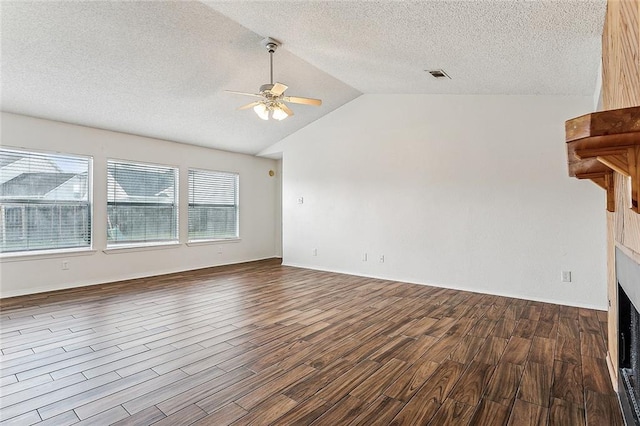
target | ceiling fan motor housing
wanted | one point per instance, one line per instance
(266, 88)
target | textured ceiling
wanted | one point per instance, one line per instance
(154, 69)
(159, 68)
(524, 47)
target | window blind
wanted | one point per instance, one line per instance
(213, 205)
(44, 201)
(142, 203)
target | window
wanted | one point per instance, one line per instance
(213, 205)
(142, 203)
(44, 201)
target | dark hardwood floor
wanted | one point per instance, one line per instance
(260, 343)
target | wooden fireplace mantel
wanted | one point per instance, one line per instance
(601, 143)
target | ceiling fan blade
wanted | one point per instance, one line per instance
(278, 89)
(285, 109)
(304, 101)
(255, 95)
(251, 105)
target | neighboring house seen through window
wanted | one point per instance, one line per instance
(213, 205)
(142, 203)
(45, 201)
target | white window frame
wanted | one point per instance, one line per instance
(53, 251)
(123, 245)
(236, 205)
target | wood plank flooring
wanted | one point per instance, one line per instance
(260, 343)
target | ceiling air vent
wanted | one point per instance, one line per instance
(438, 74)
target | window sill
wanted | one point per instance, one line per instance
(127, 248)
(44, 254)
(208, 242)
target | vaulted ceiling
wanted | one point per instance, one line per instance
(160, 69)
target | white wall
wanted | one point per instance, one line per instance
(467, 192)
(278, 224)
(258, 209)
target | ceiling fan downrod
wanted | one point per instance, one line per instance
(271, 46)
(271, 66)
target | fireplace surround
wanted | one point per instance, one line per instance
(628, 276)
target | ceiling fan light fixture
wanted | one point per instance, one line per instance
(262, 111)
(278, 113)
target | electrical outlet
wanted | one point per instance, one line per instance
(381, 258)
(566, 276)
(65, 265)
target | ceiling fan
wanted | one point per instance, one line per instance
(272, 100)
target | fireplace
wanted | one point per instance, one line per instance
(628, 274)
